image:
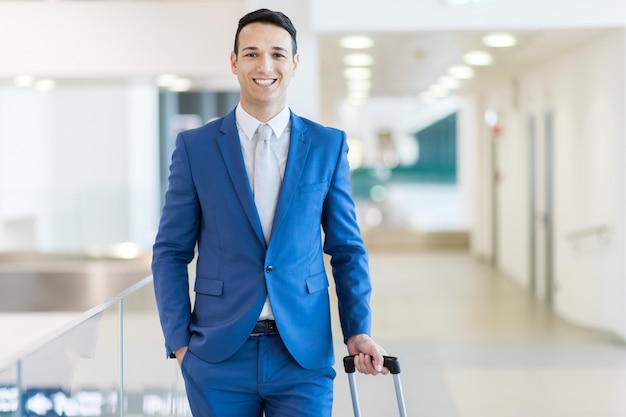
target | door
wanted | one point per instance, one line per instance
(541, 152)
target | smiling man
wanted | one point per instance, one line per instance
(252, 191)
(265, 60)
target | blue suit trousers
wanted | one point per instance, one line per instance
(262, 377)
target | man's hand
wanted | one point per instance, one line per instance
(363, 348)
(180, 354)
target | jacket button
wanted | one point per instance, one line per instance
(269, 269)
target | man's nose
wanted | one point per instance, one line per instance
(266, 63)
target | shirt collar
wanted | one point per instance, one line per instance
(249, 124)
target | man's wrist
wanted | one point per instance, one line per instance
(354, 337)
(179, 353)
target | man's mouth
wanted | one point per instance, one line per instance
(264, 81)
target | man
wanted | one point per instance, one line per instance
(259, 337)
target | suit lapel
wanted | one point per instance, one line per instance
(298, 149)
(231, 152)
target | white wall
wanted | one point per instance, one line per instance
(585, 91)
(24, 165)
(24, 134)
(143, 174)
(590, 178)
(80, 163)
(95, 39)
(122, 40)
(503, 160)
(467, 160)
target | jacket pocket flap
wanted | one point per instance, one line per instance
(209, 286)
(316, 283)
(309, 188)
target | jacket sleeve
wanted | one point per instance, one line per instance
(343, 242)
(174, 249)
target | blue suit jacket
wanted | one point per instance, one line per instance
(209, 205)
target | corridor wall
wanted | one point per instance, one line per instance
(583, 92)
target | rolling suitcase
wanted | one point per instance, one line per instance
(393, 364)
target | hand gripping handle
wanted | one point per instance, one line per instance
(390, 362)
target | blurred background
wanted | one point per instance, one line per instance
(493, 130)
(498, 125)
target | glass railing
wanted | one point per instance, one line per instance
(110, 361)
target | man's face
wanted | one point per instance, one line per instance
(264, 66)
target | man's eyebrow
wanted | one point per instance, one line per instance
(256, 48)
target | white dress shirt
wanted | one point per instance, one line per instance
(279, 145)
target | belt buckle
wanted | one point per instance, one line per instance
(271, 327)
(264, 328)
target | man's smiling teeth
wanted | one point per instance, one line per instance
(264, 82)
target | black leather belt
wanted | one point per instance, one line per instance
(264, 328)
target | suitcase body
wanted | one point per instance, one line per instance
(393, 364)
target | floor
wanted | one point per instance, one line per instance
(471, 342)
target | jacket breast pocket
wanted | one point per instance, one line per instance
(309, 188)
(316, 283)
(209, 286)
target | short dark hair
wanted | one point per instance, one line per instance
(268, 17)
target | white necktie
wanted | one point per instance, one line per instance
(266, 179)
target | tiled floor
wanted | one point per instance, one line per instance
(473, 344)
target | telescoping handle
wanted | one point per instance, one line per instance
(390, 362)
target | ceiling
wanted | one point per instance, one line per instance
(406, 64)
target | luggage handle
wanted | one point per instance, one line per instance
(390, 362)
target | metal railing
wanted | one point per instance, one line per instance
(600, 234)
(109, 361)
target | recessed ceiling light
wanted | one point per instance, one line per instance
(23, 80)
(449, 82)
(357, 102)
(364, 84)
(499, 40)
(461, 72)
(358, 60)
(357, 73)
(438, 91)
(180, 85)
(44, 85)
(356, 42)
(478, 58)
(166, 80)
(358, 94)
(427, 97)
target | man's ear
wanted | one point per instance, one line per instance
(233, 62)
(296, 62)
